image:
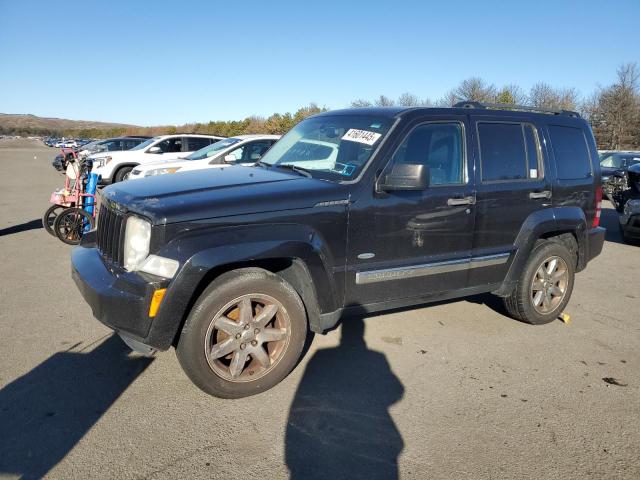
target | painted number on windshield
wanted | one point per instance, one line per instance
(361, 136)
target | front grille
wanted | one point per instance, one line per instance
(110, 234)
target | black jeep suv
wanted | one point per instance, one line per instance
(352, 211)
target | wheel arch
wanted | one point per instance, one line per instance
(567, 225)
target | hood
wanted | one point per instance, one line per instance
(169, 162)
(220, 192)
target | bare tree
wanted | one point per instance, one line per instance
(409, 100)
(543, 95)
(359, 103)
(475, 89)
(615, 111)
(383, 101)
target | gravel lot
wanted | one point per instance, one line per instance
(454, 390)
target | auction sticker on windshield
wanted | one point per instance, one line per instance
(361, 136)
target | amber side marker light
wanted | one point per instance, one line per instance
(158, 295)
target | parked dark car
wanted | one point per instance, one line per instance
(615, 162)
(233, 266)
(630, 218)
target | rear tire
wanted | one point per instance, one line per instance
(545, 285)
(244, 335)
(122, 174)
(49, 218)
(70, 225)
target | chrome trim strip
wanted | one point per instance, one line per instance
(400, 273)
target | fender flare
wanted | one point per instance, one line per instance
(541, 224)
(292, 251)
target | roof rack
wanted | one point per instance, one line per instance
(506, 106)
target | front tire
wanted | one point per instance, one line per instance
(244, 334)
(545, 285)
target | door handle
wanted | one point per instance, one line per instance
(461, 201)
(543, 194)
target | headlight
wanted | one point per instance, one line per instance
(101, 161)
(137, 236)
(161, 171)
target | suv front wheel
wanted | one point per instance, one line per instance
(545, 286)
(244, 334)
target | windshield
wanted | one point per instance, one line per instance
(331, 147)
(144, 145)
(213, 149)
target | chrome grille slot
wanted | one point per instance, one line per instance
(110, 234)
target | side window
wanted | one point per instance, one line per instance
(170, 145)
(237, 153)
(508, 151)
(196, 143)
(254, 151)
(571, 152)
(438, 146)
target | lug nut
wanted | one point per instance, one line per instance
(256, 331)
(247, 326)
(243, 346)
(254, 342)
(238, 335)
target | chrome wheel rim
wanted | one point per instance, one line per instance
(247, 337)
(549, 285)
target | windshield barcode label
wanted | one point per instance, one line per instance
(361, 136)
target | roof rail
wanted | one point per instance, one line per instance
(507, 106)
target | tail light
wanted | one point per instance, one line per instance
(596, 219)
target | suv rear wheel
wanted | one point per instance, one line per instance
(545, 286)
(244, 334)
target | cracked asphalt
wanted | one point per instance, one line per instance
(452, 390)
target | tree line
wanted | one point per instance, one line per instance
(613, 111)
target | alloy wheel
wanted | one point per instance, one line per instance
(549, 285)
(247, 337)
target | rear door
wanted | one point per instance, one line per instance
(512, 182)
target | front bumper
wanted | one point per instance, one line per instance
(119, 299)
(630, 225)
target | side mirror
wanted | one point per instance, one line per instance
(231, 158)
(405, 176)
(154, 150)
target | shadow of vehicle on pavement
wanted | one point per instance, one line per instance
(609, 220)
(46, 412)
(22, 227)
(339, 424)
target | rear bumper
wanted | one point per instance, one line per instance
(118, 299)
(595, 241)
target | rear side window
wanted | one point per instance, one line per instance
(571, 152)
(196, 143)
(508, 151)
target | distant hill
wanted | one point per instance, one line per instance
(21, 124)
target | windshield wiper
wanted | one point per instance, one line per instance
(263, 164)
(290, 166)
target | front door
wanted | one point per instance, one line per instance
(405, 244)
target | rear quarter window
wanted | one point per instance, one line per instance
(571, 152)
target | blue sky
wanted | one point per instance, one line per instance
(159, 62)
